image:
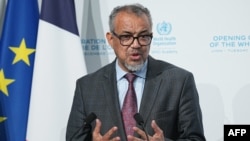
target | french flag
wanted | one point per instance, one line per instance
(59, 62)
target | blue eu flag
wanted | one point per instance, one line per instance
(17, 52)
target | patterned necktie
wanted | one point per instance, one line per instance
(129, 108)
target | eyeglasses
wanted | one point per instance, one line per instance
(127, 40)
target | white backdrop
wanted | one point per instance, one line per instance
(209, 38)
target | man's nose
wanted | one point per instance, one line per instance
(136, 43)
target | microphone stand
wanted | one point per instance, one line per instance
(138, 118)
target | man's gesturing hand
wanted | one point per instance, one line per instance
(158, 136)
(107, 136)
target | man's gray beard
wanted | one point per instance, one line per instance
(134, 67)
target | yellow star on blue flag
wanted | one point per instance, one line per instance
(4, 82)
(22, 53)
(17, 52)
(2, 119)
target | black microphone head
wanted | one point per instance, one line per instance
(138, 118)
(90, 118)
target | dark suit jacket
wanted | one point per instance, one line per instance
(170, 97)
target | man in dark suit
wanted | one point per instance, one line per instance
(166, 95)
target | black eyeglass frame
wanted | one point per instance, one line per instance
(120, 36)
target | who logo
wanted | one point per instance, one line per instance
(164, 28)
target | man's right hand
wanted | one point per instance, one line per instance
(96, 136)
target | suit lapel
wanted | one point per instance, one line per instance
(149, 97)
(151, 87)
(111, 97)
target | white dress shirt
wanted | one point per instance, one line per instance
(122, 83)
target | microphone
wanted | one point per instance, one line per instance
(84, 132)
(91, 117)
(138, 118)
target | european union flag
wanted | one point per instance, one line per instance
(17, 52)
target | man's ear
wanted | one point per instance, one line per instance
(110, 38)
